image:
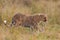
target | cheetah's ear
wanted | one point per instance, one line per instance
(41, 13)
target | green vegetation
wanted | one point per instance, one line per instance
(51, 31)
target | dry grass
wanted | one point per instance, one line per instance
(51, 30)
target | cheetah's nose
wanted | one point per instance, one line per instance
(45, 20)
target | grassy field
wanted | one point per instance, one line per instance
(51, 31)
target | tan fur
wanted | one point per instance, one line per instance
(28, 21)
(18, 19)
(33, 21)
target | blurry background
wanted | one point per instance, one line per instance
(30, 7)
